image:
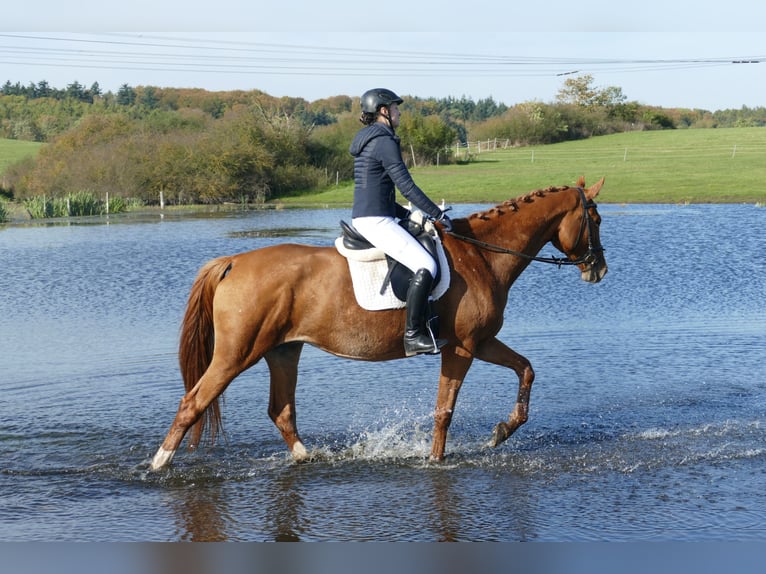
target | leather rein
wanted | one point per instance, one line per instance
(589, 257)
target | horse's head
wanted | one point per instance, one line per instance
(578, 234)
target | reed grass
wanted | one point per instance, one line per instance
(83, 203)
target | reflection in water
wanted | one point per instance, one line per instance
(202, 513)
(501, 510)
(283, 517)
(446, 506)
(273, 501)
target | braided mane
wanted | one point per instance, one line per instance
(513, 204)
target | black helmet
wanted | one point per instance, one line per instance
(373, 99)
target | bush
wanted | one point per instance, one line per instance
(328, 147)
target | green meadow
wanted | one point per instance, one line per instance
(12, 151)
(670, 166)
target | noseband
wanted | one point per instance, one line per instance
(588, 258)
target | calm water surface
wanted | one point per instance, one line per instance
(646, 421)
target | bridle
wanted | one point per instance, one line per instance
(589, 257)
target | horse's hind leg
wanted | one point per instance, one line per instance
(193, 404)
(283, 366)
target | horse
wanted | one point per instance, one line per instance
(268, 303)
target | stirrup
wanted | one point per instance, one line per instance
(423, 344)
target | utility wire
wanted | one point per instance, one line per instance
(163, 54)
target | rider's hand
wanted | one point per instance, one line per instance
(445, 221)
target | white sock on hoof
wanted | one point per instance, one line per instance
(162, 458)
(299, 451)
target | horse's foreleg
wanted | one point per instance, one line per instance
(283, 366)
(193, 404)
(455, 364)
(495, 352)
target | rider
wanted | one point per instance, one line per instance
(378, 167)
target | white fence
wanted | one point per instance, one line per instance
(480, 146)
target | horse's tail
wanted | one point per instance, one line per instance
(197, 340)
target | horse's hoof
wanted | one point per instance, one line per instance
(500, 434)
(299, 452)
(161, 459)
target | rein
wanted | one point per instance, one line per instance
(588, 258)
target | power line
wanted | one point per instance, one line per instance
(161, 54)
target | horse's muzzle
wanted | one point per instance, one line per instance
(594, 272)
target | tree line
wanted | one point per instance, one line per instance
(196, 146)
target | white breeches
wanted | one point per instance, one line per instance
(386, 234)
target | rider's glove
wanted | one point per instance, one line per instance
(445, 221)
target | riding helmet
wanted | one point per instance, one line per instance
(373, 100)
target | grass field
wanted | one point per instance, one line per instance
(671, 166)
(12, 151)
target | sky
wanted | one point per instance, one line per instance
(690, 54)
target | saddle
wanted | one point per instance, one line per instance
(379, 281)
(398, 276)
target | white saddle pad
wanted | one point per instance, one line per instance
(369, 269)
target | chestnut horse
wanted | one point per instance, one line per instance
(268, 302)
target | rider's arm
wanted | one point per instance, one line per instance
(391, 157)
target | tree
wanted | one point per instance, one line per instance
(76, 91)
(581, 92)
(149, 98)
(43, 90)
(126, 96)
(428, 135)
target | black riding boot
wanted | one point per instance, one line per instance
(417, 336)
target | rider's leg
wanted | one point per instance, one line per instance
(418, 338)
(387, 235)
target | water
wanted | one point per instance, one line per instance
(646, 421)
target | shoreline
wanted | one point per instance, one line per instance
(18, 216)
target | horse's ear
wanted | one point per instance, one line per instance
(581, 181)
(593, 190)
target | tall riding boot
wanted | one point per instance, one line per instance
(418, 338)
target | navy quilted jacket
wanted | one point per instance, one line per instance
(378, 167)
